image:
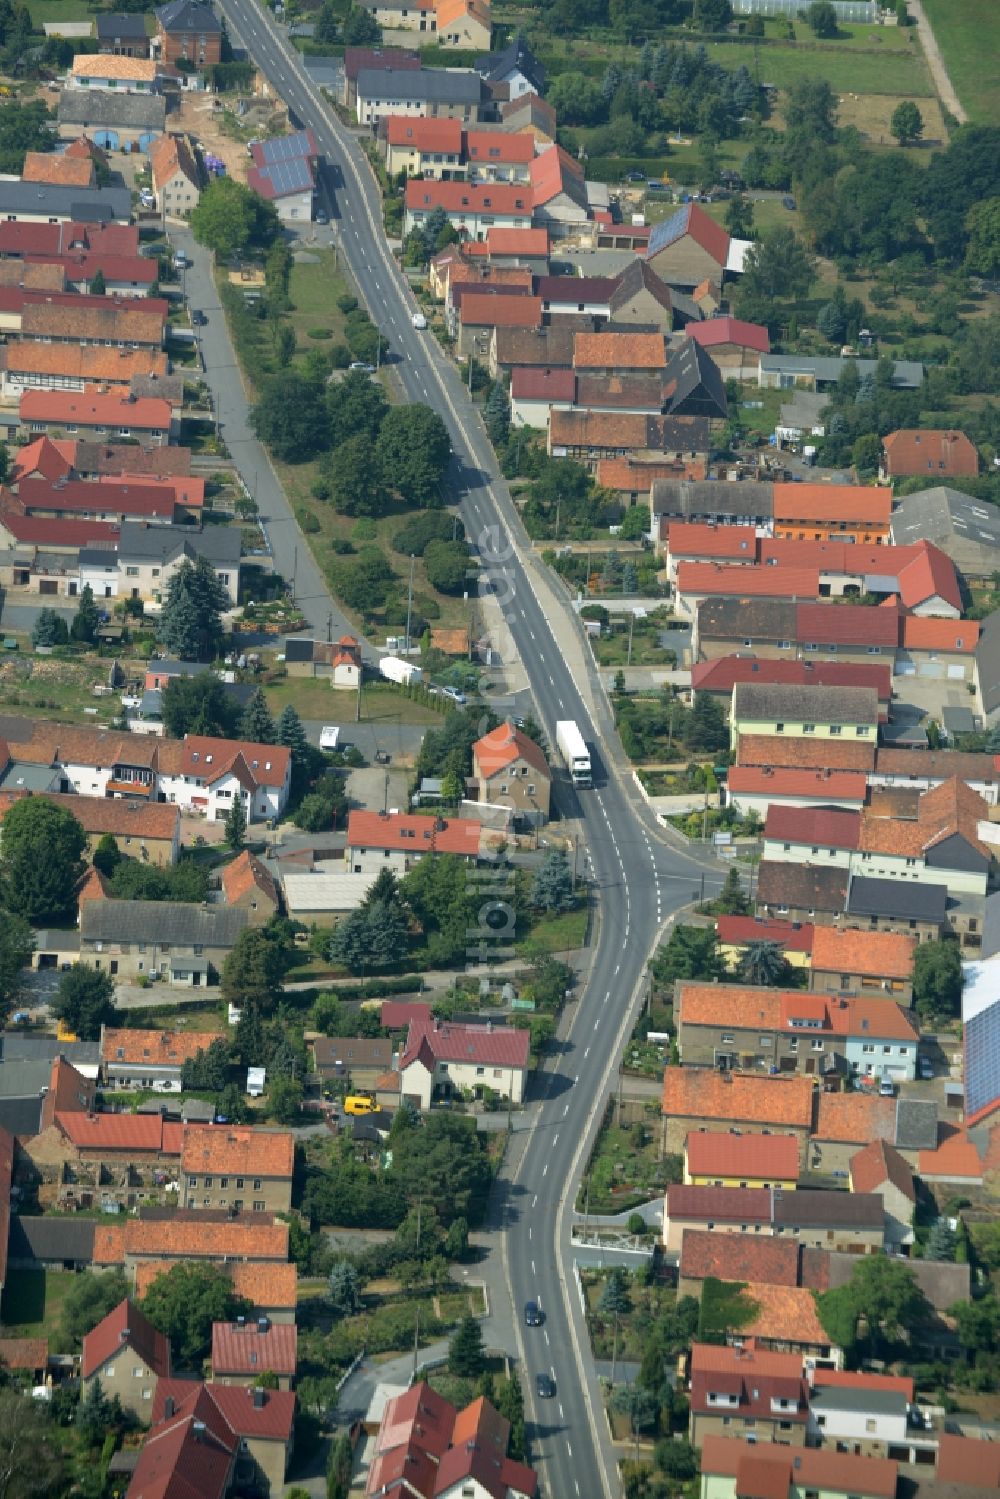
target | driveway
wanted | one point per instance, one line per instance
(379, 789)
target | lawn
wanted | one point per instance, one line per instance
(964, 29)
(625, 1167)
(613, 649)
(316, 700)
(33, 1301)
(557, 933)
(881, 67)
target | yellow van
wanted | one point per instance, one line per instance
(360, 1103)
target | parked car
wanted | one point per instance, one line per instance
(321, 216)
(382, 757)
(456, 696)
(180, 261)
(419, 321)
(361, 367)
(360, 1103)
(635, 176)
(788, 202)
(198, 318)
(886, 1087)
(926, 1068)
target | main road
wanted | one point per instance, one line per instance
(640, 877)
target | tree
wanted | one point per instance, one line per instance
(89, 1299)
(763, 963)
(732, 899)
(822, 17)
(412, 451)
(340, 1468)
(183, 1303)
(190, 622)
(345, 1288)
(186, 881)
(290, 733)
(87, 618)
(94, 1414)
(552, 883)
(776, 267)
(978, 1323)
(256, 724)
(937, 977)
(706, 731)
(465, 1351)
(966, 173)
(30, 1463)
(832, 322)
(208, 1069)
(40, 860)
(444, 1162)
(942, 1241)
(236, 825)
(361, 28)
(982, 256)
(691, 953)
(616, 1296)
(291, 418)
(907, 123)
(284, 1099)
(447, 565)
(321, 809)
(84, 1001)
(356, 488)
(49, 629)
(880, 1304)
(811, 112)
(739, 217)
(17, 943)
(327, 31)
(712, 15)
(230, 218)
(254, 969)
(199, 705)
(496, 414)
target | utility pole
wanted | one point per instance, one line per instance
(416, 1338)
(329, 629)
(295, 571)
(409, 604)
(357, 710)
(631, 627)
(614, 1352)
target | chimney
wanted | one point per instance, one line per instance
(168, 1407)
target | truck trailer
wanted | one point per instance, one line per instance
(573, 748)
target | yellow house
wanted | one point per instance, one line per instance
(797, 712)
(717, 1160)
(464, 23)
(735, 933)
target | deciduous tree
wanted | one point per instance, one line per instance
(40, 860)
(253, 970)
(198, 705)
(907, 123)
(16, 946)
(231, 218)
(412, 452)
(937, 977)
(84, 1001)
(184, 1302)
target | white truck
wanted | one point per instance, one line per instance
(395, 669)
(573, 748)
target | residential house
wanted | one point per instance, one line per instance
(57, 169)
(535, 392)
(590, 436)
(880, 1168)
(965, 1460)
(136, 1059)
(735, 346)
(632, 477)
(747, 1394)
(472, 208)
(403, 15)
(939, 649)
(435, 1452)
(284, 174)
(123, 35)
(867, 1415)
(519, 247)
(149, 422)
(177, 1447)
(689, 541)
(107, 70)
(759, 751)
(539, 349)
(694, 1099)
(203, 775)
(529, 112)
(442, 1060)
(516, 68)
(734, 1470)
(876, 905)
(698, 581)
(736, 933)
(688, 246)
(618, 353)
(641, 296)
(189, 32)
(481, 313)
(881, 964)
(247, 883)
(787, 1030)
(397, 840)
(142, 830)
(463, 23)
(498, 155)
(438, 93)
(338, 662)
(146, 558)
(245, 1349)
(785, 1320)
(510, 770)
(111, 118)
(576, 296)
(844, 1123)
(358, 1061)
(176, 180)
(256, 1427)
(922, 770)
(753, 789)
(806, 834)
(269, 1287)
(429, 148)
(851, 1221)
(195, 1236)
(734, 1257)
(558, 190)
(832, 512)
(914, 453)
(707, 502)
(179, 943)
(800, 892)
(764, 708)
(718, 1160)
(373, 59)
(127, 1357)
(237, 1168)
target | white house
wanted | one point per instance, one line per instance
(442, 1060)
(865, 1414)
(205, 775)
(397, 841)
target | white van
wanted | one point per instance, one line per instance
(419, 321)
(329, 736)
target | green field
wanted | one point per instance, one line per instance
(870, 69)
(968, 35)
(33, 1301)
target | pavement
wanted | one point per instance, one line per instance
(642, 872)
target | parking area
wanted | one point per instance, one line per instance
(379, 788)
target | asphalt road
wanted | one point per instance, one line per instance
(640, 877)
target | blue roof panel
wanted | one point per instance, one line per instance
(982, 1059)
(668, 230)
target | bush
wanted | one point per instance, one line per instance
(320, 333)
(307, 521)
(347, 303)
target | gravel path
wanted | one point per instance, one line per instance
(939, 73)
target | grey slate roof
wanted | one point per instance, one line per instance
(159, 387)
(187, 15)
(694, 384)
(988, 661)
(21, 1116)
(162, 544)
(97, 108)
(828, 1209)
(161, 921)
(916, 1124)
(689, 498)
(421, 85)
(897, 899)
(784, 701)
(85, 205)
(297, 649)
(746, 619)
(636, 277)
(127, 27)
(864, 1402)
(518, 57)
(24, 1079)
(325, 72)
(906, 373)
(43, 1239)
(16, 1046)
(801, 887)
(968, 530)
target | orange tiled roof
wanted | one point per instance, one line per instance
(115, 815)
(946, 454)
(827, 504)
(714, 579)
(497, 750)
(168, 155)
(880, 1162)
(785, 1314)
(633, 351)
(487, 311)
(956, 1158)
(855, 1118)
(689, 539)
(109, 1244)
(767, 1157)
(110, 65)
(168, 1238)
(425, 135)
(960, 636)
(449, 11)
(698, 1093)
(24, 1353)
(57, 170)
(153, 1048)
(738, 1257)
(879, 954)
(96, 365)
(238, 1151)
(804, 754)
(271, 1286)
(413, 834)
(244, 874)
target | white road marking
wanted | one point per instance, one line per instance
(533, 1267)
(545, 1169)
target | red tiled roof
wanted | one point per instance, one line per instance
(231, 1406)
(81, 266)
(785, 1314)
(421, 1415)
(855, 1118)
(878, 954)
(811, 785)
(752, 582)
(735, 1257)
(475, 197)
(244, 874)
(621, 351)
(789, 935)
(542, 385)
(413, 834)
(247, 1349)
(152, 1048)
(236, 1150)
(845, 1379)
(396, 1014)
(723, 674)
(184, 1238)
(127, 497)
(43, 531)
(788, 753)
(425, 135)
(493, 311)
(808, 1467)
(954, 1159)
(388, 59)
(697, 1093)
(729, 330)
(64, 238)
(269, 1286)
(959, 636)
(917, 452)
(771, 1158)
(531, 242)
(52, 459)
(498, 750)
(880, 1162)
(846, 624)
(24, 1353)
(968, 1461)
(689, 539)
(829, 503)
(184, 1459)
(929, 574)
(133, 1133)
(484, 1045)
(211, 759)
(509, 146)
(822, 827)
(553, 172)
(125, 1327)
(95, 410)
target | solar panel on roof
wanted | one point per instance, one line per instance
(288, 177)
(982, 1059)
(284, 148)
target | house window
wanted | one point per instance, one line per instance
(208, 1181)
(137, 1371)
(871, 1424)
(258, 1207)
(835, 729)
(256, 1185)
(110, 1371)
(808, 728)
(223, 1182)
(239, 1184)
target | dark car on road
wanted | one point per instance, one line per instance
(545, 1385)
(533, 1314)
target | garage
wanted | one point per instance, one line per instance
(108, 140)
(145, 141)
